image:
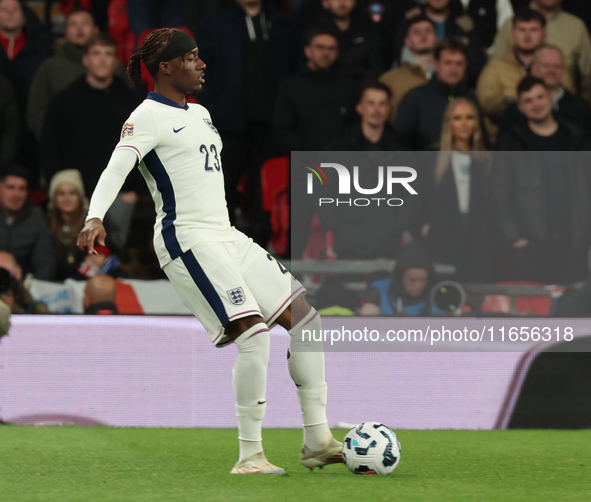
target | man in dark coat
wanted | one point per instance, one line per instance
(542, 196)
(373, 132)
(548, 64)
(60, 71)
(454, 237)
(83, 124)
(384, 17)
(250, 48)
(23, 47)
(23, 229)
(9, 123)
(349, 229)
(451, 22)
(360, 44)
(313, 108)
(420, 112)
(316, 105)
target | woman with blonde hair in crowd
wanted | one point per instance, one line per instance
(66, 214)
(456, 227)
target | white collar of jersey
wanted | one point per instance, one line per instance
(165, 101)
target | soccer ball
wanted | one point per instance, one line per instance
(371, 448)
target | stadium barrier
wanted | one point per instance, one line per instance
(158, 297)
(163, 372)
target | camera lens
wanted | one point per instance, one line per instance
(448, 296)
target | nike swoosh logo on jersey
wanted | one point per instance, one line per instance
(178, 130)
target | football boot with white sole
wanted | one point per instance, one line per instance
(332, 454)
(256, 464)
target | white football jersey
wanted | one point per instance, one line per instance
(179, 149)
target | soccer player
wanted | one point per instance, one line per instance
(234, 287)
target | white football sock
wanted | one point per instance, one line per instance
(306, 367)
(249, 379)
(306, 359)
(313, 404)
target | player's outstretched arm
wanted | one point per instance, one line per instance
(122, 162)
(92, 229)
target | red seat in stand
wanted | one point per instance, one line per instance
(274, 191)
(538, 305)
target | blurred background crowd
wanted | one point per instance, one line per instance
(460, 78)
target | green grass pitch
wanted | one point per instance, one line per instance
(61, 464)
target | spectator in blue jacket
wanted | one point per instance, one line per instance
(407, 292)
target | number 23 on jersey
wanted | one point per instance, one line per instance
(214, 152)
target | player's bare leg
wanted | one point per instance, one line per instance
(251, 336)
(306, 367)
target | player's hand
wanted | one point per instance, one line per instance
(94, 228)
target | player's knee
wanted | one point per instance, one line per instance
(235, 328)
(294, 313)
(300, 310)
(306, 332)
(255, 340)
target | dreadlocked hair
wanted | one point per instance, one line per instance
(151, 47)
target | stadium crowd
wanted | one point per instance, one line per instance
(460, 78)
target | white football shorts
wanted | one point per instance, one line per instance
(224, 281)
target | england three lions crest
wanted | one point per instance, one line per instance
(237, 296)
(209, 123)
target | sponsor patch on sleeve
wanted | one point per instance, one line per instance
(213, 128)
(127, 131)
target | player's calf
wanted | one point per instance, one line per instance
(250, 382)
(306, 367)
